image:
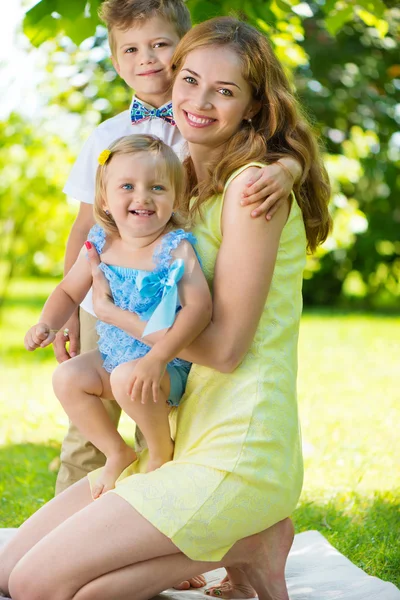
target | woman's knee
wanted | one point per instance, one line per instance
(28, 582)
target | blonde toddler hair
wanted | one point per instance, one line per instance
(168, 163)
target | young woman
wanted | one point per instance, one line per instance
(236, 476)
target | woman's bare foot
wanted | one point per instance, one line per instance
(159, 457)
(194, 582)
(113, 468)
(262, 557)
(234, 585)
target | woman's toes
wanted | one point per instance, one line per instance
(198, 582)
(184, 585)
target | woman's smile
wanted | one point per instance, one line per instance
(198, 120)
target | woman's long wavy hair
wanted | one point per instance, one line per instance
(279, 129)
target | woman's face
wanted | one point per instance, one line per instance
(210, 96)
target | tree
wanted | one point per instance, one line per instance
(342, 57)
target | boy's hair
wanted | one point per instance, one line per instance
(169, 165)
(122, 14)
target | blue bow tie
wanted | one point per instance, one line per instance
(139, 113)
(154, 284)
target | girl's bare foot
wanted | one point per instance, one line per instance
(234, 585)
(113, 468)
(262, 557)
(160, 456)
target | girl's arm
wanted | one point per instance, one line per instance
(195, 315)
(61, 304)
(243, 273)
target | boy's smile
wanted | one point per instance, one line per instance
(143, 59)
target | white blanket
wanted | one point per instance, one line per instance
(315, 571)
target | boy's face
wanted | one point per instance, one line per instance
(143, 56)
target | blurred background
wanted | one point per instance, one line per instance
(342, 56)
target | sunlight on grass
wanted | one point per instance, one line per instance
(348, 403)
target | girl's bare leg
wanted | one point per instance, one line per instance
(79, 384)
(152, 417)
(42, 522)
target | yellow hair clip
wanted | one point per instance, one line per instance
(103, 157)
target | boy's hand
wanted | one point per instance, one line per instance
(73, 337)
(38, 336)
(146, 379)
(272, 184)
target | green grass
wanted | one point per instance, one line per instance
(348, 402)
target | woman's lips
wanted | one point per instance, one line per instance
(197, 120)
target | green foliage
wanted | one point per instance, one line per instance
(343, 59)
(33, 212)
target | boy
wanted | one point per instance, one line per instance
(143, 35)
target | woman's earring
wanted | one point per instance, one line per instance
(107, 212)
(249, 121)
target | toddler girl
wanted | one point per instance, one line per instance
(152, 271)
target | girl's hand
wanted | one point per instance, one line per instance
(272, 184)
(38, 336)
(102, 297)
(146, 379)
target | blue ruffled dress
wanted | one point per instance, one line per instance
(153, 296)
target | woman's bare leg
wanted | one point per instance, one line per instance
(79, 384)
(42, 522)
(146, 579)
(106, 540)
(234, 585)
(105, 536)
(151, 417)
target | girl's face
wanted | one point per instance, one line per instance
(210, 96)
(139, 195)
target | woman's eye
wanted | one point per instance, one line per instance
(158, 188)
(160, 45)
(130, 50)
(127, 186)
(225, 92)
(190, 80)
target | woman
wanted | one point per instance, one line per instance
(237, 468)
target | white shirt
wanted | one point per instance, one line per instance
(81, 181)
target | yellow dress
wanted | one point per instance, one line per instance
(237, 465)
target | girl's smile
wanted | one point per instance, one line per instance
(139, 195)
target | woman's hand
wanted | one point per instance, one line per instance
(102, 297)
(38, 336)
(272, 184)
(144, 383)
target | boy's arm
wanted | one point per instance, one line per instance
(61, 303)
(79, 232)
(272, 186)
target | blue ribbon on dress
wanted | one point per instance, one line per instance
(151, 285)
(139, 112)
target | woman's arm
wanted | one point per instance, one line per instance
(243, 273)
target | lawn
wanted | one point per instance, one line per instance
(349, 405)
